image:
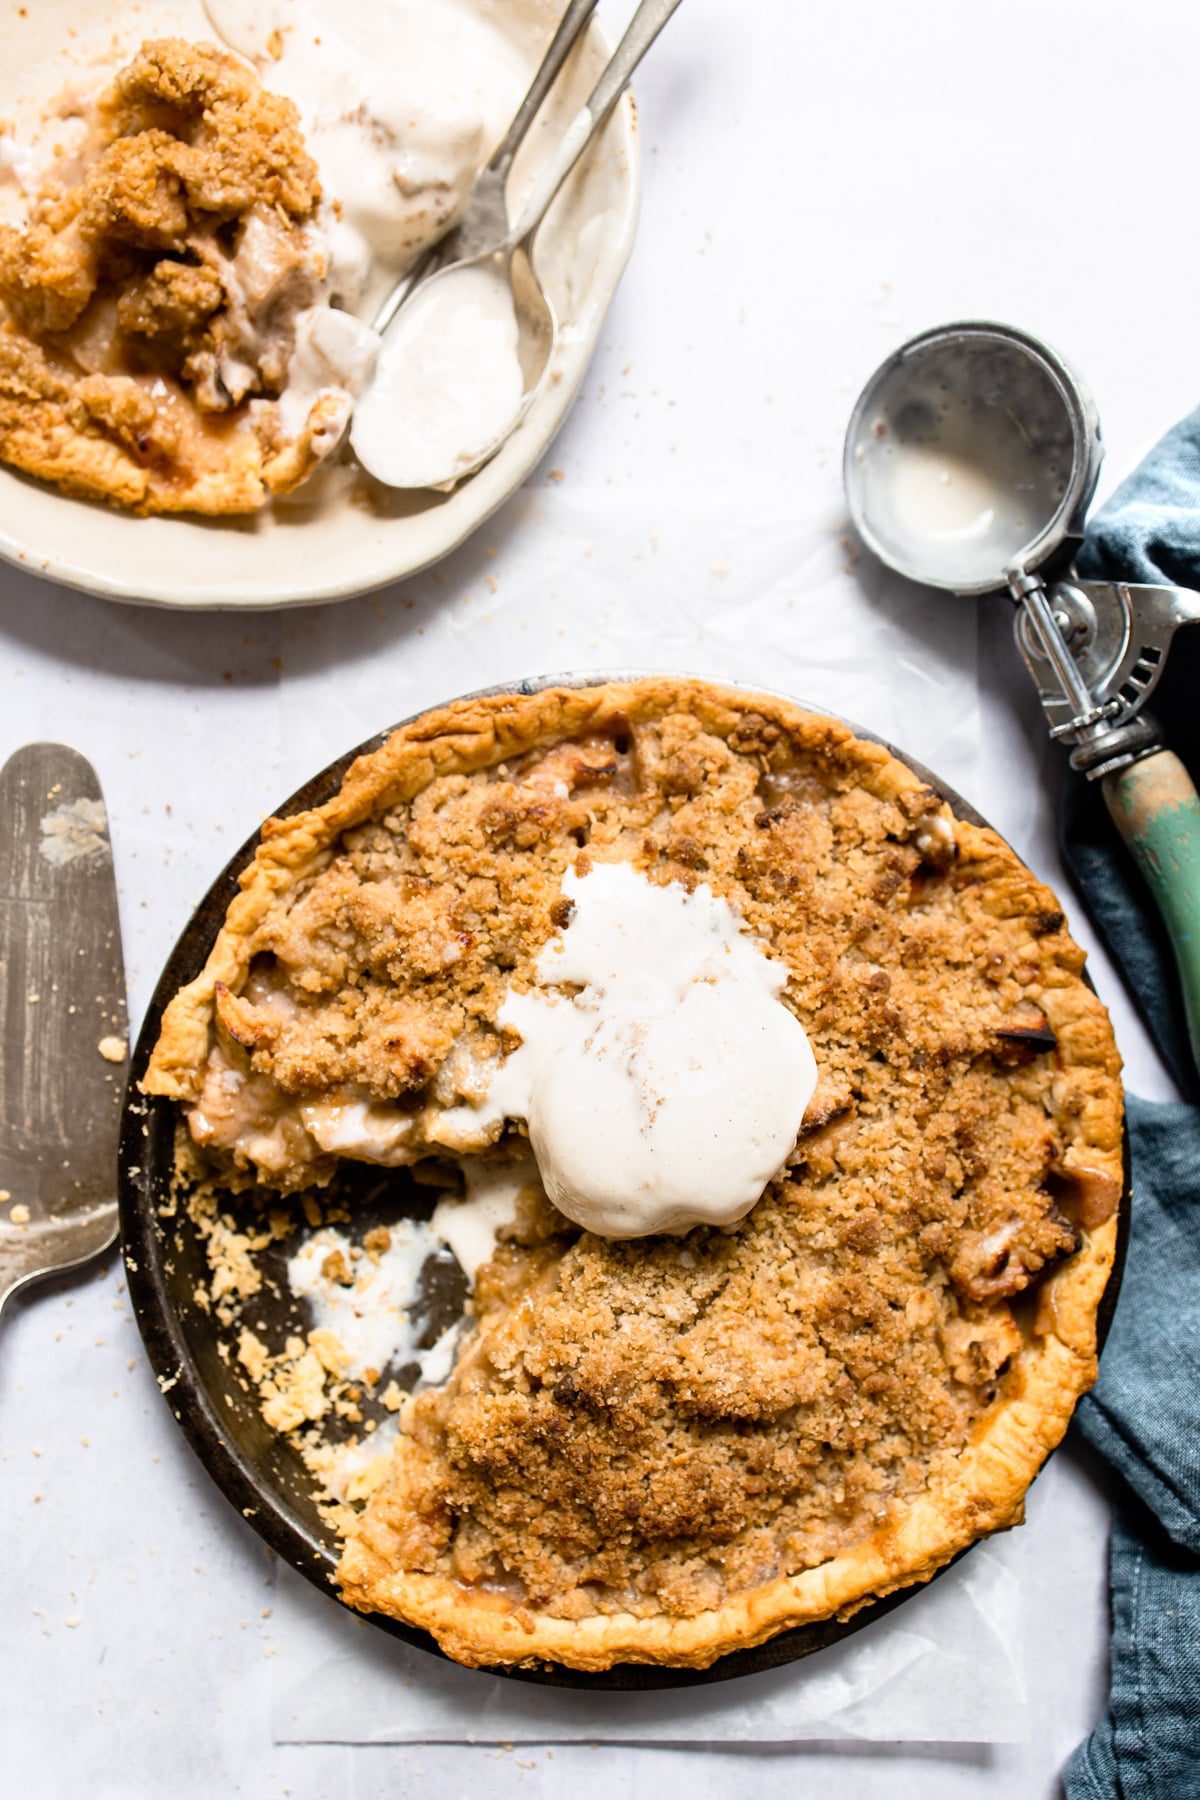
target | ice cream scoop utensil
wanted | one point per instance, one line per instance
(970, 459)
(509, 259)
(63, 1025)
(485, 217)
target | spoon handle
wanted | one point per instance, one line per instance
(573, 21)
(644, 27)
(485, 218)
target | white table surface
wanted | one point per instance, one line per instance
(820, 181)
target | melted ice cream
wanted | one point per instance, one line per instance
(332, 358)
(470, 1226)
(959, 482)
(401, 102)
(372, 1313)
(447, 385)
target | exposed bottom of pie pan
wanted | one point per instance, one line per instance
(256, 1469)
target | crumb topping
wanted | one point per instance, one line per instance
(146, 306)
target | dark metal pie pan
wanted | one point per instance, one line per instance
(256, 1469)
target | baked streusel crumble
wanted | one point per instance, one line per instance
(668, 1447)
(148, 305)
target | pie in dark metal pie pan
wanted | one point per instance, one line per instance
(256, 1468)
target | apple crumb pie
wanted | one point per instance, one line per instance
(666, 1448)
(149, 303)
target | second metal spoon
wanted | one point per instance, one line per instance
(510, 257)
(485, 217)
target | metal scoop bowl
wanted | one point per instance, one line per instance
(970, 460)
(1000, 411)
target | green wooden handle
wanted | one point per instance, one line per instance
(1157, 812)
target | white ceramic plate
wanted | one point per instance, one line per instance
(336, 537)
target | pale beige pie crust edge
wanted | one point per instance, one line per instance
(971, 1494)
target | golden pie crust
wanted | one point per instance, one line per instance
(863, 1377)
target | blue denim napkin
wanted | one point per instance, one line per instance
(1143, 1415)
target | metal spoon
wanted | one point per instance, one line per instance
(509, 258)
(485, 217)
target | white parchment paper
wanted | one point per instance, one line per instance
(946, 1666)
(753, 588)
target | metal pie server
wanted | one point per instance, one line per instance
(63, 1021)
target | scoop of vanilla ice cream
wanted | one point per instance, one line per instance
(667, 1119)
(668, 1090)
